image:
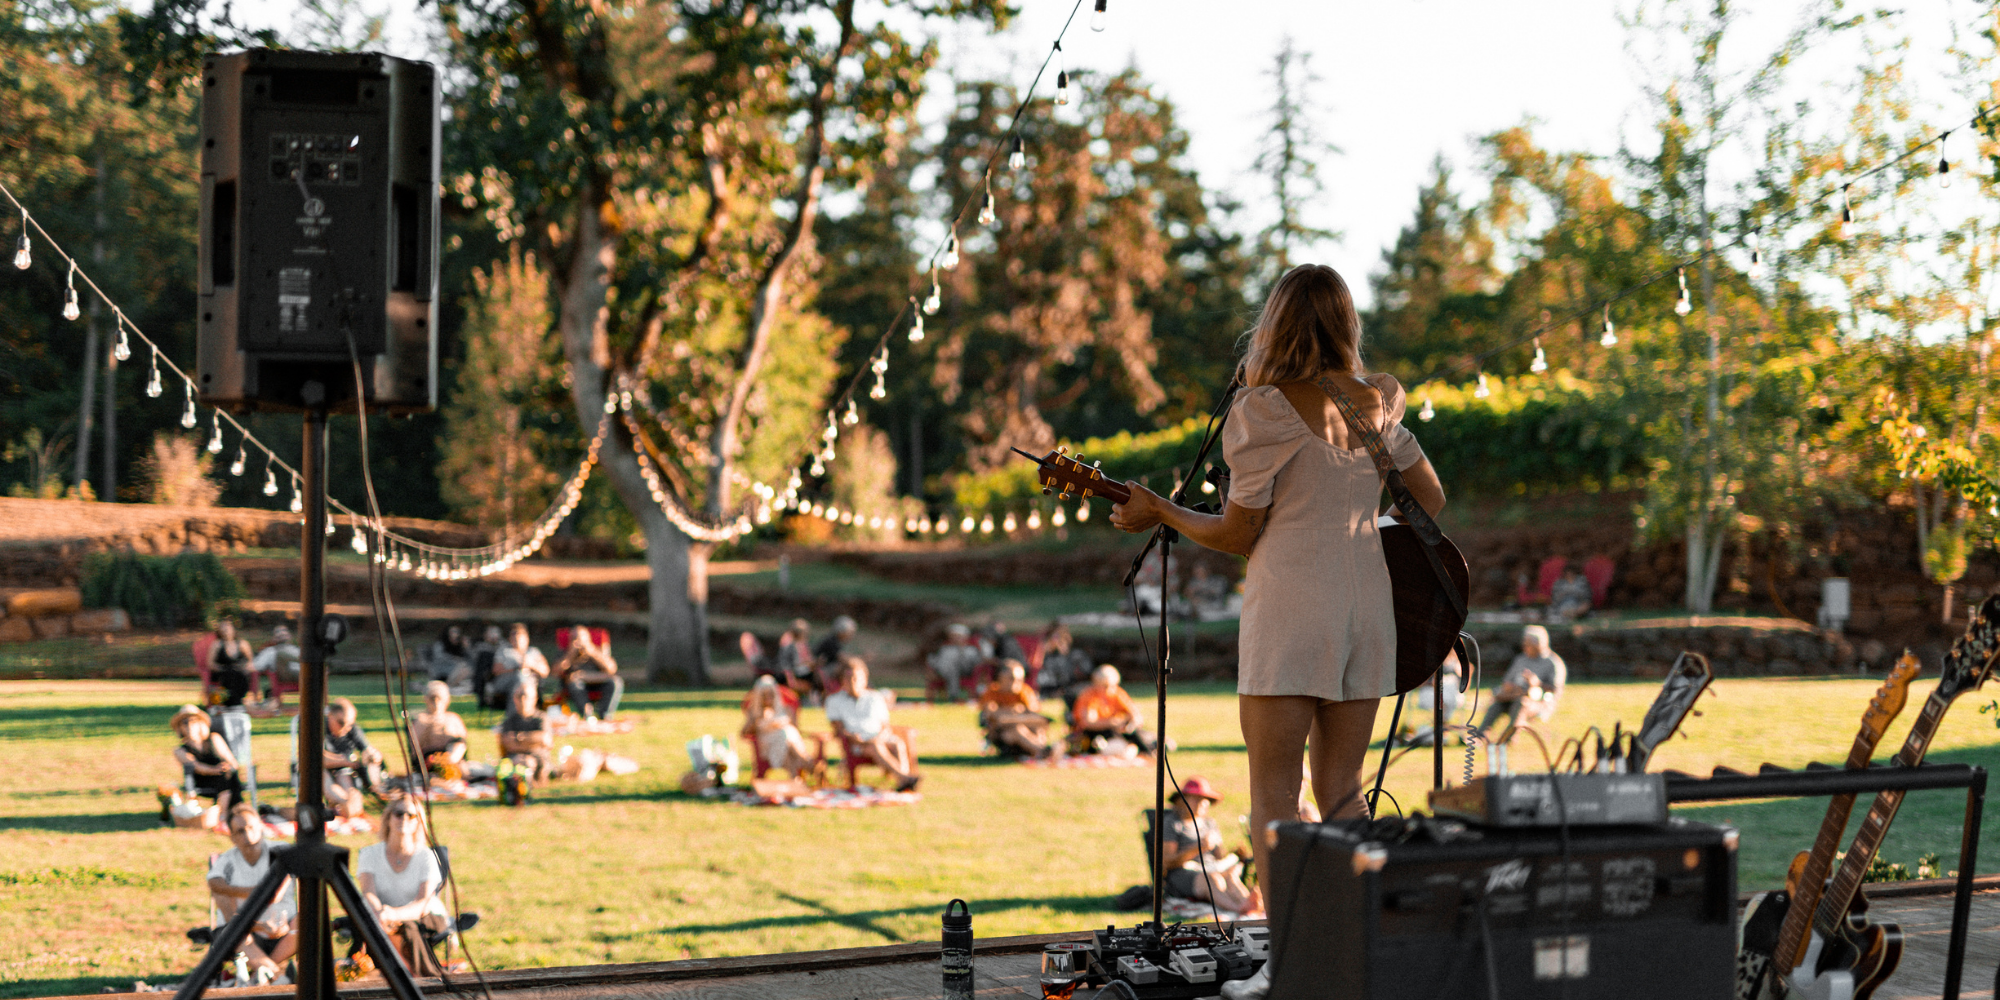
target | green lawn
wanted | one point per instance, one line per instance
(93, 892)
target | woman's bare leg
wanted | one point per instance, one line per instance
(1274, 731)
(1341, 730)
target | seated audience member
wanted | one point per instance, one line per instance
(588, 670)
(1417, 729)
(1193, 858)
(491, 641)
(955, 661)
(1104, 710)
(276, 663)
(205, 756)
(229, 663)
(1065, 668)
(437, 731)
(515, 663)
(1012, 715)
(830, 654)
(776, 731)
(861, 714)
(352, 766)
(449, 659)
(526, 737)
(274, 938)
(1533, 683)
(400, 879)
(1207, 594)
(1000, 644)
(1569, 596)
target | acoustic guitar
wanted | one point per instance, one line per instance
(1848, 956)
(1775, 923)
(1427, 624)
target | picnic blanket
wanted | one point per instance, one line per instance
(1089, 761)
(456, 790)
(825, 798)
(567, 724)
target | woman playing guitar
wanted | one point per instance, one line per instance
(1318, 635)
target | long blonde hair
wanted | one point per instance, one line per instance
(1308, 326)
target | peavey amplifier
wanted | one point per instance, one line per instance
(1629, 913)
(1532, 800)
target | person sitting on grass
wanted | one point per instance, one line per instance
(205, 756)
(861, 714)
(526, 736)
(770, 720)
(229, 663)
(1533, 683)
(1192, 855)
(401, 881)
(1011, 714)
(518, 662)
(352, 766)
(449, 659)
(955, 661)
(437, 731)
(587, 670)
(274, 938)
(1104, 711)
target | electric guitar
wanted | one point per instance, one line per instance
(1847, 956)
(1774, 924)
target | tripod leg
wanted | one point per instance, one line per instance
(223, 948)
(1388, 746)
(315, 958)
(365, 924)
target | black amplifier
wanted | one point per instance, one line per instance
(1357, 911)
(1556, 799)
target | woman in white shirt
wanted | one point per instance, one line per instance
(401, 880)
(861, 714)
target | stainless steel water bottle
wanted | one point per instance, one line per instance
(957, 951)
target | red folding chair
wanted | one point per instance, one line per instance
(1552, 570)
(1598, 571)
(748, 736)
(852, 759)
(204, 645)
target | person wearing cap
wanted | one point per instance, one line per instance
(1011, 713)
(1193, 858)
(204, 756)
(1532, 685)
(954, 662)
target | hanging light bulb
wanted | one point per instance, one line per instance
(936, 298)
(1082, 512)
(153, 388)
(329, 527)
(924, 525)
(916, 325)
(1062, 75)
(1756, 255)
(1018, 156)
(1427, 412)
(881, 366)
(1541, 362)
(188, 417)
(832, 430)
(1610, 337)
(236, 467)
(215, 437)
(70, 309)
(24, 254)
(359, 542)
(1944, 161)
(1097, 17)
(123, 349)
(968, 524)
(986, 525)
(1482, 392)
(987, 212)
(1008, 524)
(1846, 207)
(1058, 518)
(1684, 304)
(271, 489)
(950, 259)
(1034, 520)
(853, 414)
(909, 525)
(819, 466)
(403, 563)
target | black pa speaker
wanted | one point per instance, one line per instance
(319, 208)
(1626, 913)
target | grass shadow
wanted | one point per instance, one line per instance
(84, 823)
(866, 920)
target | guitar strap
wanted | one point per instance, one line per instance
(1419, 519)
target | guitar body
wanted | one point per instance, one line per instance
(1851, 966)
(1426, 622)
(1761, 920)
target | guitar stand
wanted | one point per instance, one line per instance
(1815, 780)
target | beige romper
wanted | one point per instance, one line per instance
(1317, 614)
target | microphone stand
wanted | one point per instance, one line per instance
(1164, 538)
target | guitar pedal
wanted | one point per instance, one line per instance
(1137, 971)
(1256, 941)
(1196, 965)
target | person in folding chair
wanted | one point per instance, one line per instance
(1317, 646)
(1197, 865)
(401, 880)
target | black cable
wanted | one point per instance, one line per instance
(1486, 942)
(1160, 747)
(1119, 985)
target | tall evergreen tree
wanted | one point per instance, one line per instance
(1289, 157)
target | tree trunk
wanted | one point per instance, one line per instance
(92, 357)
(677, 646)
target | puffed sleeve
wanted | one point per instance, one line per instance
(1402, 444)
(1263, 433)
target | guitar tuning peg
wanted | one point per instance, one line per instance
(1046, 490)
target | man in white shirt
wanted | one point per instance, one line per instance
(955, 661)
(274, 938)
(278, 661)
(515, 664)
(861, 714)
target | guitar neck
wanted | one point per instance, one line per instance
(1792, 934)
(1861, 854)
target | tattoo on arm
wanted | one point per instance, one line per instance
(1257, 519)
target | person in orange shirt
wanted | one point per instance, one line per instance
(1104, 710)
(1011, 712)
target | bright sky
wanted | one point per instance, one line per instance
(1402, 81)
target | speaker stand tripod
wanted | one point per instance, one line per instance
(319, 866)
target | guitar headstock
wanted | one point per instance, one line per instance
(1970, 661)
(1063, 474)
(1891, 696)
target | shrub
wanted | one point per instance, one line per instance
(176, 472)
(161, 591)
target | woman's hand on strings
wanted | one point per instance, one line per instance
(1142, 512)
